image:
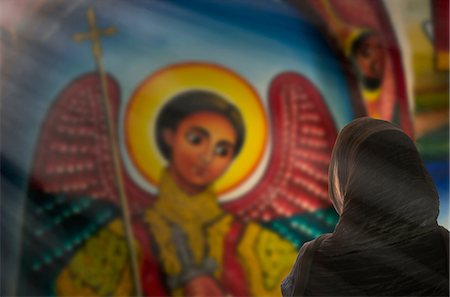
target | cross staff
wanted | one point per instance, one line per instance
(94, 35)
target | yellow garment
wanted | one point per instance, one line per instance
(200, 218)
(265, 257)
(101, 267)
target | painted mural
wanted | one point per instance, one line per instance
(159, 148)
(426, 28)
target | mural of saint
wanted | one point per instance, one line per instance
(186, 164)
(185, 241)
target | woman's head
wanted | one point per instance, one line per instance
(377, 177)
(199, 133)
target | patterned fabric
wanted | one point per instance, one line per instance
(55, 227)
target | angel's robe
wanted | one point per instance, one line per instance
(190, 235)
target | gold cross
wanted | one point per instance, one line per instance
(94, 34)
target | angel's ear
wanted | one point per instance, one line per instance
(168, 136)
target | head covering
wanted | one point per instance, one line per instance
(387, 241)
(379, 184)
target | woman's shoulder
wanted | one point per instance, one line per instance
(297, 279)
(445, 237)
(444, 232)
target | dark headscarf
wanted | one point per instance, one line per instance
(379, 184)
(387, 241)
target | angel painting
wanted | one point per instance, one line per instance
(194, 135)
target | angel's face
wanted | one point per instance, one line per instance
(202, 149)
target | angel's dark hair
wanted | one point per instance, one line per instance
(187, 103)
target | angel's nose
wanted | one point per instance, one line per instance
(207, 156)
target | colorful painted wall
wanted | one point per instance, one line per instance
(182, 147)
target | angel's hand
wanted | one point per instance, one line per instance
(203, 285)
(189, 269)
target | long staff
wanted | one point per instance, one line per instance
(94, 35)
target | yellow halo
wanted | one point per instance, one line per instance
(158, 88)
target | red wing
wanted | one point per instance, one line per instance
(73, 154)
(303, 135)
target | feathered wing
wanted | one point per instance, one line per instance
(73, 155)
(72, 190)
(295, 181)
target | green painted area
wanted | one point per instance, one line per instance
(432, 102)
(435, 145)
(301, 228)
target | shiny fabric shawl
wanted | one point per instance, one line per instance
(387, 241)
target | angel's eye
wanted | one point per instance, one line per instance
(222, 150)
(194, 138)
